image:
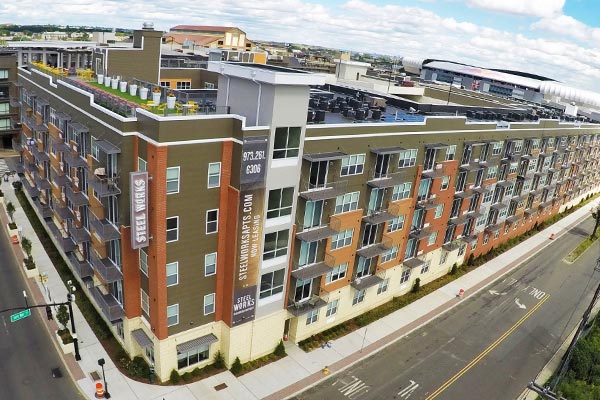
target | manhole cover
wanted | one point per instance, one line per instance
(56, 373)
(95, 376)
(220, 387)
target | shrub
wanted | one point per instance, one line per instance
(196, 372)
(17, 185)
(236, 367)
(10, 210)
(280, 349)
(138, 367)
(471, 260)
(175, 377)
(187, 377)
(26, 245)
(219, 361)
(454, 269)
(416, 286)
(65, 336)
(29, 263)
(62, 316)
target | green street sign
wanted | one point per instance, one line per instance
(20, 315)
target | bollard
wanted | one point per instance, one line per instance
(326, 370)
(461, 292)
(99, 390)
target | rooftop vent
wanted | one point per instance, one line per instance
(148, 25)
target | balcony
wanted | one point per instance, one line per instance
(74, 160)
(31, 189)
(376, 249)
(104, 229)
(78, 198)
(389, 180)
(111, 308)
(81, 267)
(314, 234)
(42, 183)
(63, 212)
(366, 282)
(40, 156)
(106, 268)
(311, 271)
(44, 209)
(59, 180)
(315, 302)
(103, 185)
(79, 234)
(413, 263)
(322, 191)
(65, 243)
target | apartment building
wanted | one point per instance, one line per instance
(283, 210)
(9, 118)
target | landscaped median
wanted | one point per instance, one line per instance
(397, 303)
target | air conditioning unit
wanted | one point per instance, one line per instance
(426, 225)
(76, 182)
(419, 252)
(60, 135)
(75, 148)
(100, 171)
(438, 166)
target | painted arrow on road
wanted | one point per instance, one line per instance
(494, 292)
(518, 303)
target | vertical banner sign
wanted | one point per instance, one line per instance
(138, 193)
(250, 228)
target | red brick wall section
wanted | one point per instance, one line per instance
(228, 258)
(224, 233)
(131, 275)
(157, 251)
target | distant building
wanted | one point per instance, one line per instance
(222, 37)
(55, 36)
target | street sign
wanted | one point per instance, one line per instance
(43, 277)
(20, 315)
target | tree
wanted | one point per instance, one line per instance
(10, 210)
(417, 285)
(236, 367)
(62, 316)
(26, 244)
(596, 216)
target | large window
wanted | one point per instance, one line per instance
(172, 273)
(3, 74)
(280, 202)
(312, 213)
(497, 148)
(445, 182)
(210, 264)
(432, 238)
(346, 202)
(4, 107)
(142, 165)
(173, 315)
(144, 261)
(276, 244)
(212, 221)
(193, 356)
(383, 286)
(209, 304)
(390, 255)
(492, 172)
(172, 229)
(183, 85)
(353, 164)
(407, 158)
(396, 224)
(312, 316)
(332, 308)
(359, 296)
(173, 180)
(405, 276)
(342, 239)
(287, 142)
(401, 191)
(271, 283)
(337, 273)
(214, 175)
(145, 301)
(308, 253)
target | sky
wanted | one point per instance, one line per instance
(559, 39)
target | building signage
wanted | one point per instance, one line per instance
(138, 192)
(250, 228)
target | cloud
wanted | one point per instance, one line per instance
(569, 26)
(357, 25)
(531, 8)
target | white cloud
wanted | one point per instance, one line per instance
(569, 26)
(532, 8)
(355, 25)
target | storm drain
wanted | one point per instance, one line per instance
(221, 386)
(56, 373)
(95, 376)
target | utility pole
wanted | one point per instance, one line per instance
(544, 392)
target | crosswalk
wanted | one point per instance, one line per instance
(3, 167)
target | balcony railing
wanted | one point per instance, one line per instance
(106, 268)
(104, 229)
(111, 308)
(104, 186)
(314, 302)
(78, 198)
(65, 243)
(81, 267)
(323, 191)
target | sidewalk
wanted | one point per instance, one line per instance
(297, 371)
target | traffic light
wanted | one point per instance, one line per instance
(49, 312)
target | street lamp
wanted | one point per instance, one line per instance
(70, 300)
(101, 363)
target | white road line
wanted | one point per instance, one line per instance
(5, 327)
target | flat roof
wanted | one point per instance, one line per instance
(267, 73)
(55, 44)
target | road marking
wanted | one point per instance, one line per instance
(407, 391)
(496, 293)
(486, 351)
(352, 389)
(519, 304)
(537, 293)
(5, 326)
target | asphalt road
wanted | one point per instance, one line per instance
(491, 345)
(27, 354)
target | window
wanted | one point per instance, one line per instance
(210, 264)
(145, 302)
(497, 148)
(518, 146)
(486, 239)
(4, 108)
(396, 224)
(488, 197)
(95, 148)
(509, 190)
(496, 234)
(425, 267)
(3, 74)
(183, 85)
(445, 182)
(172, 229)
(346, 202)
(271, 283)
(432, 238)
(342, 239)
(276, 244)
(390, 255)
(209, 85)
(165, 84)
(312, 316)
(443, 257)
(142, 165)
(287, 142)
(193, 356)
(212, 221)
(308, 253)
(214, 175)
(408, 158)
(405, 276)
(353, 165)
(173, 315)
(313, 211)
(144, 261)
(401, 191)
(172, 180)
(172, 273)
(332, 308)
(439, 210)
(450, 153)
(383, 286)
(492, 172)
(474, 245)
(280, 202)
(532, 165)
(513, 168)
(359, 296)
(209, 304)
(337, 273)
